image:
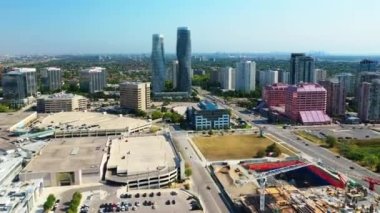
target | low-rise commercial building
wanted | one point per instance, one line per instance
(20, 196)
(61, 102)
(208, 115)
(135, 95)
(131, 164)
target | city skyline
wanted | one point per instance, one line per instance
(43, 27)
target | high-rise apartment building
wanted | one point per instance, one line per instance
(369, 101)
(336, 97)
(184, 59)
(158, 63)
(306, 103)
(245, 76)
(228, 78)
(283, 76)
(268, 77)
(93, 79)
(367, 66)
(135, 95)
(348, 82)
(174, 72)
(51, 78)
(319, 75)
(302, 68)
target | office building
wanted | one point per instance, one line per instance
(245, 76)
(174, 76)
(367, 66)
(268, 77)
(51, 78)
(19, 84)
(367, 77)
(184, 59)
(93, 80)
(275, 94)
(302, 68)
(283, 76)
(30, 80)
(208, 115)
(158, 63)
(215, 76)
(227, 78)
(61, 102)
(369, 101)
(348, 82)
(336, 97)
(306, 103)
(135, 95)
(319, 75)
(14, 88)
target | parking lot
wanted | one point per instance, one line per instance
(158, 200)
(103, 198)
(348, 132)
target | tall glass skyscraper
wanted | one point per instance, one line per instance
(184, 59)
(158, 63)
(302, 68)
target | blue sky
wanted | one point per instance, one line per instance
(126, 26)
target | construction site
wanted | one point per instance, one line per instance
(294, 185)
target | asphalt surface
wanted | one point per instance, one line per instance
(210, 198)
(311, 151)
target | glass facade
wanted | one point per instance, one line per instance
(184, 59)
(158, 63)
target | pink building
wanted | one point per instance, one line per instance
(275, 94)
(306, 103)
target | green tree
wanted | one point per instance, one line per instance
(4, 108)
(331, 141)
(188, 172)
(49, 203)
(371, 161)
(168, 86)
(140, 113)
(156, 115)
(261, 153)
(274, 149)
(210, 132)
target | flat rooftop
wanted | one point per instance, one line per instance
(134, 155)
(69, 154)
(11, 118)
(83, 120)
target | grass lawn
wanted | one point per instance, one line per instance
(232, 146)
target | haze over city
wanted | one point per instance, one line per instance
(96, 26)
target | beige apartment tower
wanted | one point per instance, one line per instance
(135, 95)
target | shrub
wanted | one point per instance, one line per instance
(49, 203)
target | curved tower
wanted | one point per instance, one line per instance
(184, 59)
(158, 63)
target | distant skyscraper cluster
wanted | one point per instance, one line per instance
(180, 72)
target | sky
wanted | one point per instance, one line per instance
(126, 26)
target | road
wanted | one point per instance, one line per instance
(211, 198)
(311, 151)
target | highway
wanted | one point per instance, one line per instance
(201, 179)
(311, 151)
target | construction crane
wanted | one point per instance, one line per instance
(262, 179)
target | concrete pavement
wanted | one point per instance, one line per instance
(210, 198)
